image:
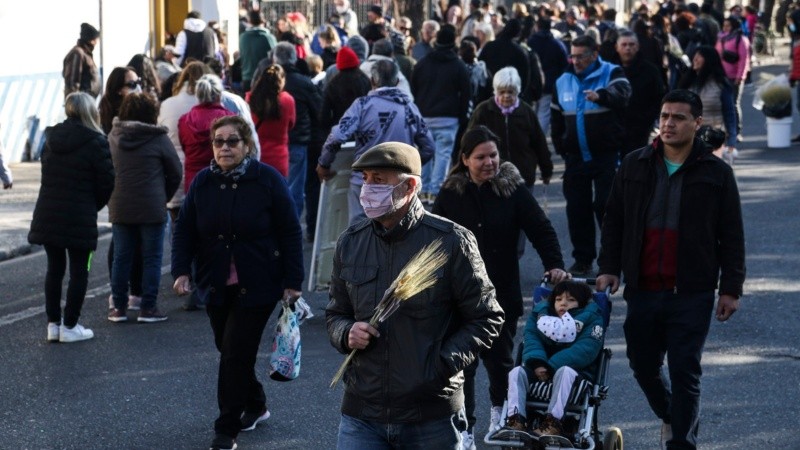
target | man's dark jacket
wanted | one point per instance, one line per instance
(644, 105)
(412, 372)
(440, 85)
(552, 56)
(710, 230)
(503, 52)
(307, 101)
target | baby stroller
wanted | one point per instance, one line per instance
(580, 415)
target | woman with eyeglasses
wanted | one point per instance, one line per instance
(121, 82)
(239, 228)
(148, 172)
(146, 70)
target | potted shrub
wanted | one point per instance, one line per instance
(777, 106)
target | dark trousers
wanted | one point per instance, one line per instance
(498, 360)
(237, 335)
(659, 323)
(76, 289)
(137, 268)
(585, 205)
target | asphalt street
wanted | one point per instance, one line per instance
(142, 386)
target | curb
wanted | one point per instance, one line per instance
(26, 249)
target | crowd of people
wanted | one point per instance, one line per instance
(451, 131)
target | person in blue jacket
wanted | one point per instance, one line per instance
(563, 337)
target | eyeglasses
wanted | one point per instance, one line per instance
(133, 84)
(580, 56)
(232, 142)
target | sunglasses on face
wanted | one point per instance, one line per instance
(232, 142)
(133, 84)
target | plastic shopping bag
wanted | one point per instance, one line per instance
(284, 363)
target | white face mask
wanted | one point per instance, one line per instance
(341, 9)
(377, 199)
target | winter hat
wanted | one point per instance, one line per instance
(446, 37)
(346, 58)
(375, 9)
(359, 45)
(559, 329)
(88, 32)
(391, 155)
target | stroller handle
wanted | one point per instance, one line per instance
(589, 281)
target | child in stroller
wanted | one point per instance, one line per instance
(563, 337)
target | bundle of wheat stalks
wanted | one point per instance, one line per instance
(419, 274)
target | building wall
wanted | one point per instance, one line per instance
(38, 35)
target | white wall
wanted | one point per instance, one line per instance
(39, 34)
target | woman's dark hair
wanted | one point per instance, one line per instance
(467, 51)
(144, 67)
(139, 107)
(471, 139)
(579, 291)
(264, 97)
(736, 24)
(111, 101)
(712, 70)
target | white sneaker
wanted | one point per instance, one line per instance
(75, 334)
(467, 441)
(494, 419)
(52, 331)
(666, 434)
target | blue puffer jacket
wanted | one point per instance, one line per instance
(541, 351)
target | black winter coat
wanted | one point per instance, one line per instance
(148, 173)
(77, 180)
(503, 52)
(710, 229)
(522, 141)
(440, 85)
(251, 220)
(307, 101)
(552, 56)
(495, 212)
(644, 105)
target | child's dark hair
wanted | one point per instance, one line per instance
(579, 291)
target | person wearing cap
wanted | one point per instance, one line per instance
(167, 65)
(375, 29)
(404, 388)
(80, 72)
(441, 85)
(254, 45)
(385, 114)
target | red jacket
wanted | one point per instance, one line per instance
(273, 134)
(194, 132)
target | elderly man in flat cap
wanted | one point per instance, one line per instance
(404, 388)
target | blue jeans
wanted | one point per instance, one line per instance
(676, 325)
(125, 238)
(434, 172)
(297, 174)
(444, 433)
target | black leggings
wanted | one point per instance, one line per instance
(76, 289)
(137, 268)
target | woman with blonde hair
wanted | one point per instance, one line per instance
(77, 181)
(331, 44)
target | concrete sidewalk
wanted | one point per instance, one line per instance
(16, 211)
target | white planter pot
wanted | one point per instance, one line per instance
(779, 132)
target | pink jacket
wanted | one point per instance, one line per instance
(738, 70)
(194, 131)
